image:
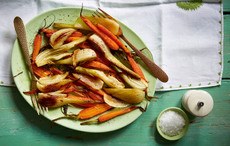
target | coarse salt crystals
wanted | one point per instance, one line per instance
(171, 123)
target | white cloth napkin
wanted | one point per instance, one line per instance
(185, 38)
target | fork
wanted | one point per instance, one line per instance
(155, 69)
(21, 33)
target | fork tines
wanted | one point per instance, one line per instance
(99, 14)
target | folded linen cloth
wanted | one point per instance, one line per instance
(184, 37)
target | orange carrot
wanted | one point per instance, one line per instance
(98, 65)
(85, 45)
(105, 38)
(48, 34)
(111, 115)
(86, 104)
(31, 92)
(95, 96)
(79, 93)
(37, 46)
(70, 39)
(40, 71)
(48, 30)
(57, 71)
(70, 87)
(76, 34)
(93, 111)
(88, 112)
(135, 67)
(113, 37)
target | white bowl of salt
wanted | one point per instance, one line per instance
(172, 123)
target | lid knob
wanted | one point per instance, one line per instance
(200, 104)
(193, 101)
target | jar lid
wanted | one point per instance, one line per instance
(200, 103)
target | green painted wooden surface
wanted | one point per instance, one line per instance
(226, 70)
(226, 4)
(20, 125)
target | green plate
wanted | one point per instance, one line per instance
(22, 78)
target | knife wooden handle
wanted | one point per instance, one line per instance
(155, 69)
(21, 33)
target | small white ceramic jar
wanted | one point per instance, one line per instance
(198, 102)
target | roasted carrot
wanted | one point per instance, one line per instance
(86, 104)
(48, 34)
(94, 111)
(70, 39)
(98, 65)
(113, 37)
(37, 46)
(105, 38)
(57, 71)
(52, 87)
(40, 71)
(111, 115)
(48, 30)
(135, 66)
(51, 31)
(76, 34)
(95, 96)
(70, 87)
(79, 93)
(87, 113)
(31, 92)
(85, 45)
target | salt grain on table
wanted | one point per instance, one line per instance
(171, 123)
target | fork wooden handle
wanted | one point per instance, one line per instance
(155, 69)
(21, 33)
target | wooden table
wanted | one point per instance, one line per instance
(20, 125)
